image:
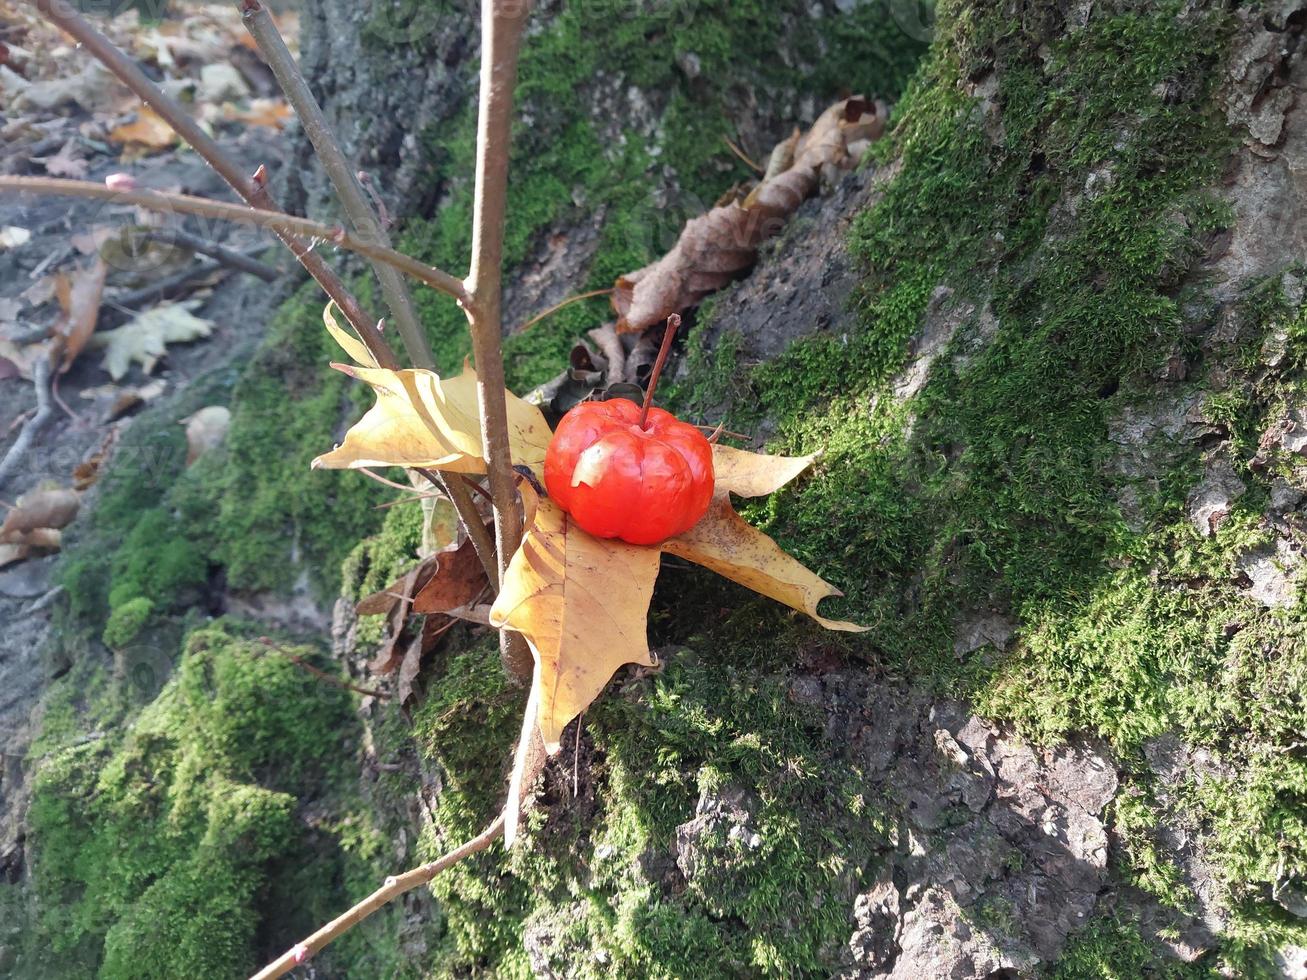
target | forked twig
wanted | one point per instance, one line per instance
(41, 380)
(342, 176)
(369, 224)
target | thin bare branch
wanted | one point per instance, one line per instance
(219, 253)
(259, 22)
(742, 155)
(253, 189)
(502, 23)
(285, 225)
(41, 380)
(461, 497)
(388, 892)
(563, 305)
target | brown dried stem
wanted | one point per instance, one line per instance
(502, 23)
(286, 226)
(388, 892)
(673, 322)
(368, 226)
(357, 207)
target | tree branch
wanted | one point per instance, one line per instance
(219, 253)
(388, 892)
(253, 190)
(357, 207)
(286, 226)
(502, 23)
(41, 372)
(367, 224)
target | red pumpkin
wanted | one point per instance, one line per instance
(620, 479)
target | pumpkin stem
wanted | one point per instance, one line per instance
(673, 322)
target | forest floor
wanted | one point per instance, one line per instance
(72, 263)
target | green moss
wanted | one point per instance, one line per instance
(1113, 947)
(153, 846)
(770, 900)
(1063, 223)
(126, 621)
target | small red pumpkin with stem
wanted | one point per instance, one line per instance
(631, 472)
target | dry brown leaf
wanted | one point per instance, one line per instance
(733, 548)
(400, 596)
(43, 508)
(458, 580)
(272, 113)
(80, 293)
(68, 162)
(10, 553)
(423, 420)
(87, 472)
(205, 430)
(716, 247)
(581, 603)
(432, 629)
(149, 132)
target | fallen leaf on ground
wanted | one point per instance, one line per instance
(147, 132)
(12, 236)
(145, 338)
(423, 420)
(68, 162)
(220, 82)
(205, 430)
(272, 113)
(10, 553)
(91, 88)
(36, 510)
(87, 472)
(79, 294)
(581, 603)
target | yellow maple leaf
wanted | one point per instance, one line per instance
(423, 420)
(582, 602)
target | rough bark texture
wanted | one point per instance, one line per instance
(1050, 341)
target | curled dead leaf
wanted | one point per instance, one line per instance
(79, 294)
(716, 247)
